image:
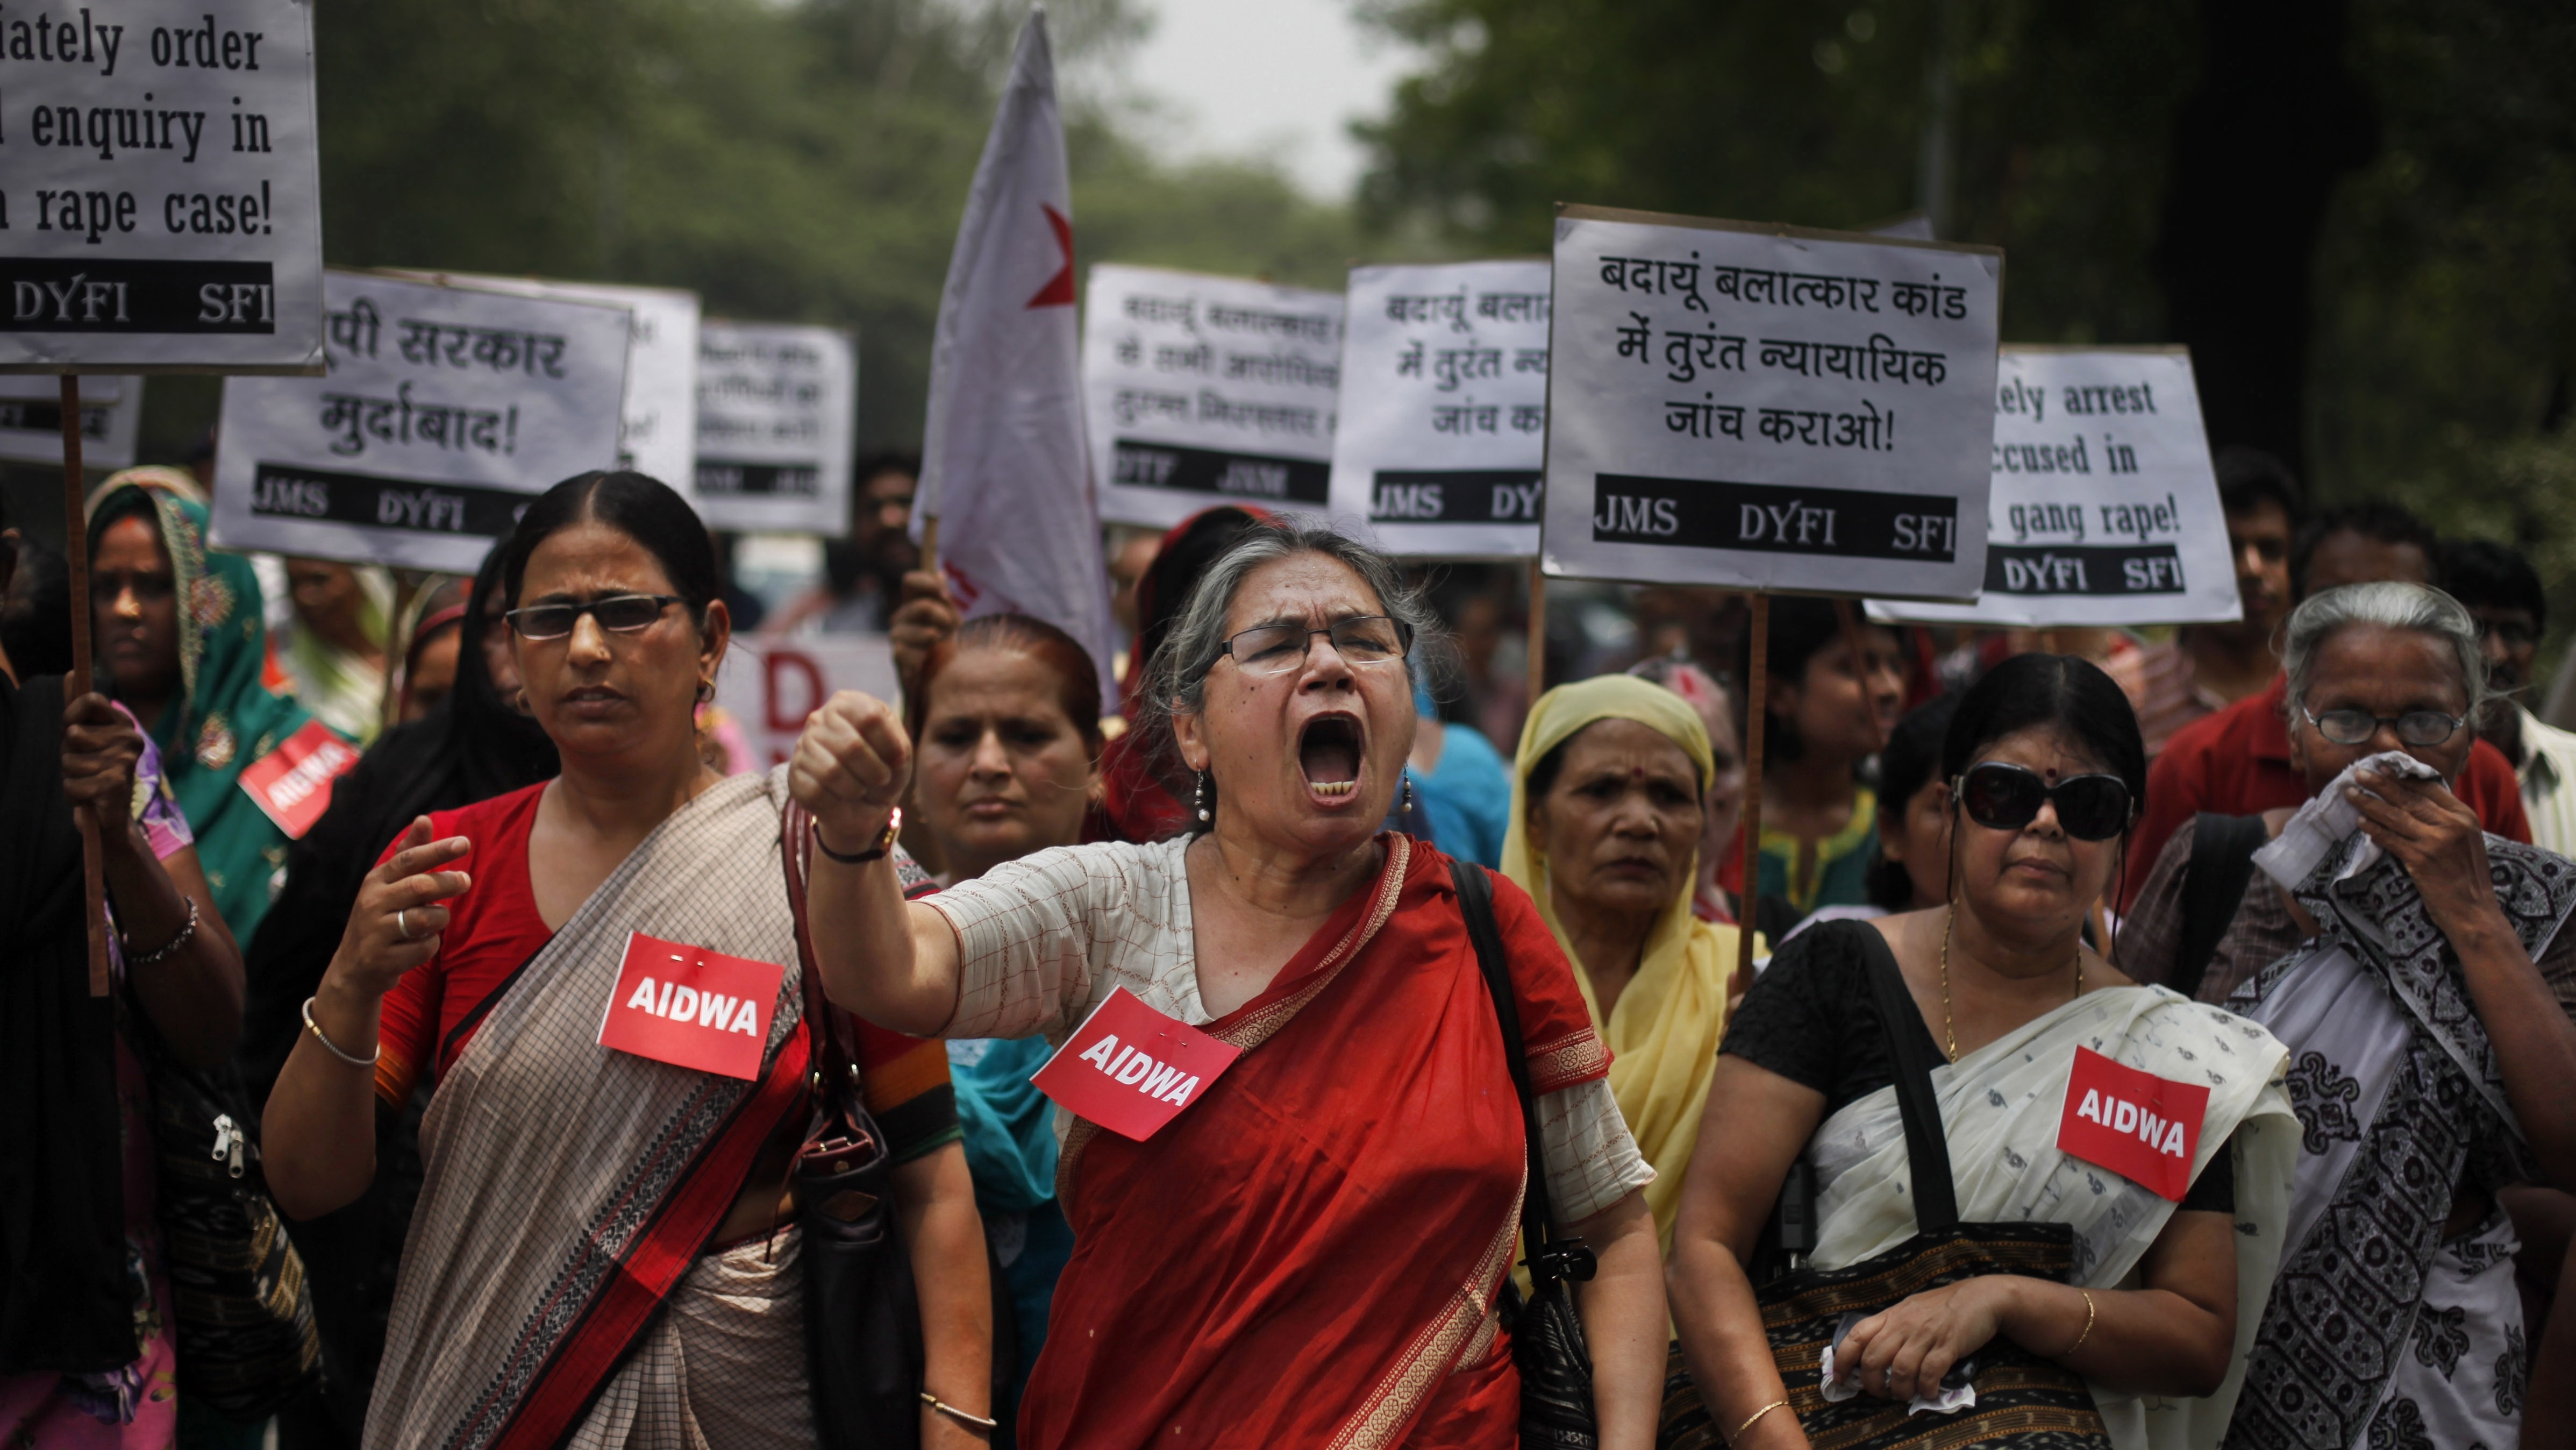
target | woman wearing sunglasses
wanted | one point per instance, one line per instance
(602, 1253)
(2392, 944)
(1310, 1250)
(2006, 1002)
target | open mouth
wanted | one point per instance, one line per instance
(1328, 754)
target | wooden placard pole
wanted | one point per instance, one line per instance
(1757, 680)
(930, 544)
(76, 560)
(1537, 632)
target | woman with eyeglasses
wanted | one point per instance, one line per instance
(2004, 1010)
(603, 1250)
(2421, 975)
(1310, 1251)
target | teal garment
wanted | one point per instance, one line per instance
(1033, 1248)
(1010, 1125)
(1468, 796)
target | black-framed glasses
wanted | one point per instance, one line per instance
(1364, 642)
(619, 613)
(2355, 727)
(2003, 797)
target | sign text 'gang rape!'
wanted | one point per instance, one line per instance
(445, 410)
(1763, 407)
(160, 198)
(777, 405)
(2104, 508)
(1444, 419)
(1205, 390)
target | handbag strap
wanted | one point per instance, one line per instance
(1927, 1144)
(827, 1059)
(1550, 1256)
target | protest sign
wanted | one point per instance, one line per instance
(31, 419)
(660, 433)
(777, 404)
(162, 202)
(1204, 390)
(1768, 407)
(769, 684)
(2104, 508)
(446, 409)
(1444, 421)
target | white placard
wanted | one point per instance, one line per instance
(1769, 407)
(2104, 508)
(160, 202)
(1205, 390)
(446, 409)
(770, 684)
(1444, 408)
(777, 407)
(660, 433)
(31, 419)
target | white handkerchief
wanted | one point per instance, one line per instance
(2328, 818)
(1948, 1401)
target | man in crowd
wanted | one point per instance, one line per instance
(2206, 667)
(862, 574)
(2236, 761)
(2504, 595)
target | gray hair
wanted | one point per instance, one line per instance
(1176, 677)
(2389, 605)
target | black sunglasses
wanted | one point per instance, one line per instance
(620, 613)
(2004, 797)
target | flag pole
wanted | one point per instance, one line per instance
(76, 558)
(1537, 632)
(930, 544)
(1756, 694)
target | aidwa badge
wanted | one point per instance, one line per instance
(293, 782)
(1131, 1069)
(691, 1007)
(2143, 1127)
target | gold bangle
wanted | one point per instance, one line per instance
(954, 1413)
(1754, 1419)
(2088, 1325)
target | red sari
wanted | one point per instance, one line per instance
(1310, 1254)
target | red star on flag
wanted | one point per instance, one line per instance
(1058, 292)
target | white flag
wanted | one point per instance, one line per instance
(1004, 468)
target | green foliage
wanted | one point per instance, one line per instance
(794, 162)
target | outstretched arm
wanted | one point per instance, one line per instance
(934, 1202)
(887, 960)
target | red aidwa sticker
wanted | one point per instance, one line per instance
(691, 1007)
(2143, 1127)
(293, 782)
(1131, 1069)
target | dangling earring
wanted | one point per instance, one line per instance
(1406, 809)
(522, 699)
(1200, 800)
(706, 691)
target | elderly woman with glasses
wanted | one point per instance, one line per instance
(1311, 1250)
(2127, 1282)
(604, 1251)
(2419, 972)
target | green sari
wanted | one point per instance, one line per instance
(223, 717)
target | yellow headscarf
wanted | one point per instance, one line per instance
(1663, 1035)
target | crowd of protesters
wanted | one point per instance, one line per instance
(1529, 1052)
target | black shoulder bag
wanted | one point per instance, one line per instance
(2022, 1399)
(1547, 1333)
(863, 1349)
(2213, 886)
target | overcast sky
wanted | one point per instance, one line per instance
(1275, 78)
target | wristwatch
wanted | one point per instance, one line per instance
(884, 843)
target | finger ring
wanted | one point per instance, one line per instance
(401, 927)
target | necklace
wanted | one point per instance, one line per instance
(1948, 1029)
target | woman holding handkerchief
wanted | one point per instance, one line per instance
(1964, 1151)
(2431, 1055)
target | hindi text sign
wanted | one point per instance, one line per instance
(1768, 407)
(2104, 507)
(446, 409)
(1204, 390)
(160, 196)
(1444, 419)
(777, 404)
